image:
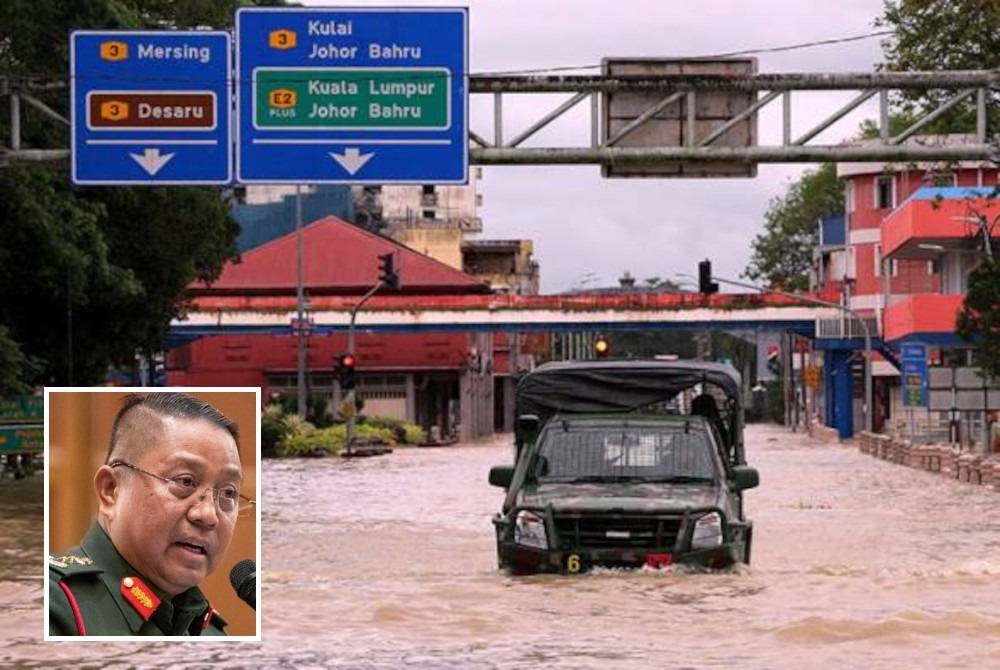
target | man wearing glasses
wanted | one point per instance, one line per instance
(168, 500)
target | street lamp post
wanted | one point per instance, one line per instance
(825, 303)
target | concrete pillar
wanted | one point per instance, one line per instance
(411, 399)
(842, 398)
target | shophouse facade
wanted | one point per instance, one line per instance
(910, 236)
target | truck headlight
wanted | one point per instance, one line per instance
(529, 530)
(707, 532)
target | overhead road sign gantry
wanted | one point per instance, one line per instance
(352, 95)
(151, 107)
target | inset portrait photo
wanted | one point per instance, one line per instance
(152, 517)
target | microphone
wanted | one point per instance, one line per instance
(243, 577)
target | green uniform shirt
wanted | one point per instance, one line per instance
(111, 598)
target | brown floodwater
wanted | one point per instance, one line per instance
(390, 562)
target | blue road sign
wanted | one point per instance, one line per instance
(913, 357)
(151, 107)
(352, 96)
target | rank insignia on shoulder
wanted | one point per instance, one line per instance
(66, 561)
(139, 596)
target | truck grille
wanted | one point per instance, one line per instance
(620, 531)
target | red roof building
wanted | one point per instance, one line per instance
(440, 380)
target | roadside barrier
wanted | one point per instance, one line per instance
(971, 467)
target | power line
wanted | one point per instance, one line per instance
(747, 52)
(41, 79)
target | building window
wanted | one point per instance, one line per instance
(884, 193)
(428, 196)
(429, 214)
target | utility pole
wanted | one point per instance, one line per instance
(300, 325)
(352, 394)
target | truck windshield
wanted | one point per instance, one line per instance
(596, 453)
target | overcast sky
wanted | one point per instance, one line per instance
(588, 230)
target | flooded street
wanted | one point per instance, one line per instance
(390, 562)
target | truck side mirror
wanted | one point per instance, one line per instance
(501, 475)
(744, 477)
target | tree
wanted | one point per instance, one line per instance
(91, 275)
(782, 253)
(14, 365)
(942, 35)
(979, 319)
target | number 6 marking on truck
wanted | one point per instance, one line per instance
(573, 564)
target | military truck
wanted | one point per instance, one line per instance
(625, 464)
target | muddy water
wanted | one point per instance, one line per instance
(390, 562)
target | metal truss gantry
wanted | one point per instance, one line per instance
(683, 90)
(676, 90)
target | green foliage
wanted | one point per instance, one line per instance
(942, 35)
(782, 253)
(396, 430)
(90, 276)
(979, 319)
(272, 431)
(311, 441)
(14, 366)
(293, 437)
(317, 411)
(414, 434)
(369, 433)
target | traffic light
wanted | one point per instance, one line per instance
(387, 270)
(601, 347)
(705, 284)
(345, 372)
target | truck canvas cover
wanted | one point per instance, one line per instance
(615, 386)
(618, 387)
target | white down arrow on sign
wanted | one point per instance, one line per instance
(151, 160)
(352, 159)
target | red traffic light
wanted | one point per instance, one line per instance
(346, 372)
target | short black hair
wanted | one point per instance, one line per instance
(163, 404)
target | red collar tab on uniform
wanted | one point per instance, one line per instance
(208, 617)
(139, 596)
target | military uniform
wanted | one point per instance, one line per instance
(94, 591)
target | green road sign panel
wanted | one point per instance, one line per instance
(22, 409)
(21, 438)
(352, 95)
(355, 98)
